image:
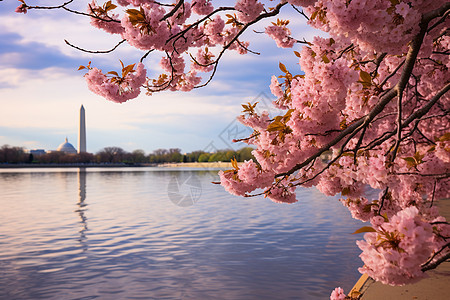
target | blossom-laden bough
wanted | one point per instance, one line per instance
(369, 111)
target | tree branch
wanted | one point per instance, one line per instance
(389, 95)
(274, 12)
(95, 52)
(173, 11)
(430, 264)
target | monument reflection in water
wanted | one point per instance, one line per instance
(120, 234)
(82, 206)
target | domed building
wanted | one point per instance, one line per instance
(67, 148)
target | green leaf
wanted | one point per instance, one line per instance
(364, 229)
(325, 58)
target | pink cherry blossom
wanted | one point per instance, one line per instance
(248, 10)
(202, 7)
(151, 35)
(22, 8)
(394, 254)
(204, 58)
(281, 36)
(117, 91)
(337, 294)
(107, 22)
(363, 115)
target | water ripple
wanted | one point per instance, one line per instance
(114, 234)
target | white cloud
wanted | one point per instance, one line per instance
(49, 99)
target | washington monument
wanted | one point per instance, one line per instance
(82, 132)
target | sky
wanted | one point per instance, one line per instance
(41, 90)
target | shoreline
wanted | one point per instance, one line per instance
(199, 165)
(75, 165)
(196, 165)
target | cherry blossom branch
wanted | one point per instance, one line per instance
(425, 137)
(348, 48)
(145, 55)
(439, 222)
(440, 21)
(392, 74)
(399, 125)
(173, 11)
(300, 11)
(389, 95)
(64, 6)
(196, 23)
(274, 12)
(330, 163)
(414, 116)
(438, 176)
(97, 51)
(50, 7)
(429, 265)
(247, 138)
(246, 48)
(377, 63)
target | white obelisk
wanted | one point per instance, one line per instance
(82, 132)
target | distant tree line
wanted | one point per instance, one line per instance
(16, 155)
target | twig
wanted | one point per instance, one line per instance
(300, 12)
(173, 11)
(274, 12)
(95, 52)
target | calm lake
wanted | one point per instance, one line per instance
(154, 233)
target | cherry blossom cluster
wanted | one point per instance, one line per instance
(398, 248)
(171, 28)
(114, 87)
(368, 109)
(351, 84)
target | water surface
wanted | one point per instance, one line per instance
(117, 233)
